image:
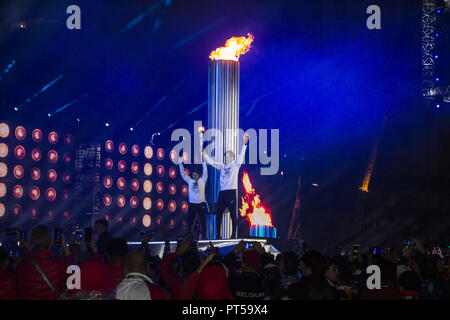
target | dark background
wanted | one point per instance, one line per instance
(315, 72)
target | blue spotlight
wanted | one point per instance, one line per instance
(437, 34)
(439, 11)
(49, 114)
(107, 124)
(131, 129)
(78, 119)
(437, 79)
(16, 109)
(436, 56)
(438, 106)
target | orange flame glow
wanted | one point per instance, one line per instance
(252, 207)
(233, 48)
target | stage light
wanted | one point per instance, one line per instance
(122, 165)
(134, 202)
(147, 203)
(160, 154)
(438, 11)
(160, 170)
(184, 206)
(107, 182)
(438, 106)
(186, 171)
(66, 158)
(3, 150)
(146, 220)
(17, 209)
(131, 129)
(314, 184)
(133, 221)
(160, 204)
(3, 170)
(68, 138)
(436, 56)
(134, 185)
(119, 219)
(106, 217)
(120, 201)
(147, 186)
(53, 137)
(148, 169)
(173, 155)
(135, 150)
(135, 167)
(109, 146)
(148, 152)
(17, 191)
(171, 224)
(172, 206)
(106, 124)
(107, 199)
(160, 187)
(52, 175)
(437, 34)
(109, 164)
(52, 156)
(34, 193)
(16, 109)
(50, 214)
(18, 172)
(185, 156)
(172, 189)
(66, 194)
(66, 215)
(4, 130)
(437, 79)
(2, 189)
(121, 183)
(172, 172)
(67, 177)
(34, 213)
(158, 220)
(36, 154)
(36, 174)
(51, 194)
(184, 190)
(20, 133)
(37, 135)
(122, 148)
(19, 152)
(2, 210)
(49, 115)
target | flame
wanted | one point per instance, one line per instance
(233, 48)
(251, 201)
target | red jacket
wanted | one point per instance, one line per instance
(31, 285)
(117, 271)
(8, 285)
(174, 282)
(95, 275)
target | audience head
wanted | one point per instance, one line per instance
(251, 260)
(117, 249)
(289, 263)
(41, 238)
(195, 174)
(135, 261)
(313, 264)
(190, 260)
(100, 226)
(409, 281)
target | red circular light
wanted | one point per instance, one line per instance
(2, 189)
(122, 165)
(19, 152)
(173, 155)
(172, 173)
(171, 224)
(107, 182)
(159, 204)
(109, 164)
(67, 158)
(50, 214)
(51, 194)
(172, 206)
(17, 209)
(36, 154)
(160, 187)
(52, 175)
(146, 220)
(185, 156)
(121, 183)
(3, 170)
(107, 200)
(52, 156)
(134, 202)
(160, 170)
(135, 150)
(37, 135)
(184, 206)
(184, 190)
(148, 169)
(160, 154)
(122, 148)
(53, 137)
(120, 201)
(148, 152)
(109, 146)
(147, 203)
(3, 150)
(147, 186)
(67, 178)
(2, 210)
(172, 189)
(106, 217)
(35, 193)
(34, 213)
(68, 138)
(17, 191)
(66, 215)
(20, 133)
(35, 174)
(133, 221)
(66, 194)
(119, 219)
(135, 185)
(4, 130)
(135, 167)
(19, 172)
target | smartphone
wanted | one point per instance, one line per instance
(78, 236)
(88, 234)
(355, 250)
(57, 235)
(11, 231)
(377, 251)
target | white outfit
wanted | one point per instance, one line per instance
(134, 288)
(196, 188)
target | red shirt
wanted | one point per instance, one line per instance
(8, 285)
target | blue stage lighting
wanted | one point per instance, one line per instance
(49, 114)
(16, 109)
(78, 119)
(131, 129)
(438, 106)
(437, 79)
(436, 56)
(437, 34)
(438, 11)
(106, 124)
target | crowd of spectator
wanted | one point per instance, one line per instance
(110, 269)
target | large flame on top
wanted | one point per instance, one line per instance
(233, 48)
(252, 207)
